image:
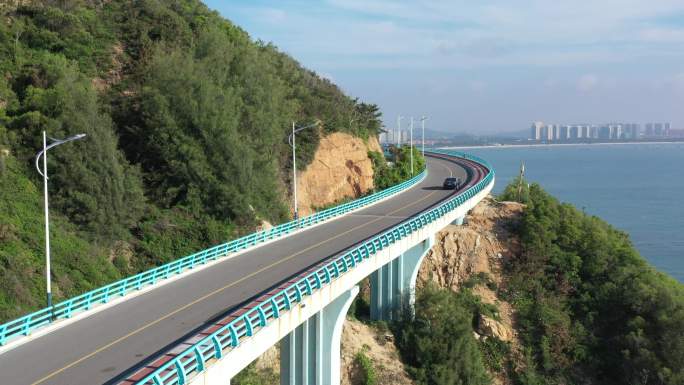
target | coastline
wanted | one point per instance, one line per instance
(558, 145)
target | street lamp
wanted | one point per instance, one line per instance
(291, 140)
(411, 148)
(422, 121)
(55, 142)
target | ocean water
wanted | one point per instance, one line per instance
(638, 188)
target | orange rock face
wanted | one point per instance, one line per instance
(340, 170)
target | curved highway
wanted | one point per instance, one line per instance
(122, 343)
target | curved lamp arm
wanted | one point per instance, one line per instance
(289, 138)
(56, 142)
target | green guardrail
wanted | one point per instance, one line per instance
(214, 346)
(25, 325)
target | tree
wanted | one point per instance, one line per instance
(438, 343)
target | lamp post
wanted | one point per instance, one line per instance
(43, 153)
(411, 145)
(291, 140)
(422, 121)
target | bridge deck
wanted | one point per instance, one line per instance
(108, 346)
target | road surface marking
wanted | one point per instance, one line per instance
(152, 323)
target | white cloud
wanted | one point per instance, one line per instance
(662, 35)
(272, 15)
(618, 51)
(678, 81)
(587, 82)
(477, 86)
(463, 33)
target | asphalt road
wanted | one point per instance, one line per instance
(107, 346)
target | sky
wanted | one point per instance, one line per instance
(484, 66)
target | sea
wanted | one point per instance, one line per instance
(636, 187)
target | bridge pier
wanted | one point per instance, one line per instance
(310, 354)
(396, 281)
(458, 221)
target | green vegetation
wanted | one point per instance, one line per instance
(186, 120)
(253, 376)
(387, 175)
(590, 308)
(368, 375)
(77, 265)
(496, 353)
(437, 343)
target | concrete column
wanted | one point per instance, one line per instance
(376, 299)
(411, 261)
(395, 281)
(310, 354)
(386, 280)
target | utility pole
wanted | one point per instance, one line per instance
(43, 153)
(422, 120)
(411, 148)
(520, 181)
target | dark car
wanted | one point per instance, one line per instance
(451, 183)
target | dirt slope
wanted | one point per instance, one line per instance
(340, 170)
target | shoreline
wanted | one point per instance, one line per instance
(557, 145)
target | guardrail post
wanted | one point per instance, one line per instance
(218, 352)
(27, 326)
(3, 334)
(180, 372)
(105, 297)
(69, 309)
(89, 300)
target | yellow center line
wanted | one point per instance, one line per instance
(87, 356)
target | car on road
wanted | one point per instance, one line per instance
(451, 183)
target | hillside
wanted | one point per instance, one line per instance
(186, 120)
(549, 295)
(541, 293)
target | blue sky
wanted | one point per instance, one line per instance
(487, 66)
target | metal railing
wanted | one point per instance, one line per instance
(25, 325)
(194, 359)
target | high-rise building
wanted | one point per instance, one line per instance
(594, 132)
(649, 129)
(536, 131)
(611, 131)
(550, 132)
(382, 137)
(658, 129)
(630, 131)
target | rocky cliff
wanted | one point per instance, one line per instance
(340, 170)
(478, 248)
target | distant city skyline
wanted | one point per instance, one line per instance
(539, 131)
(484, 67)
